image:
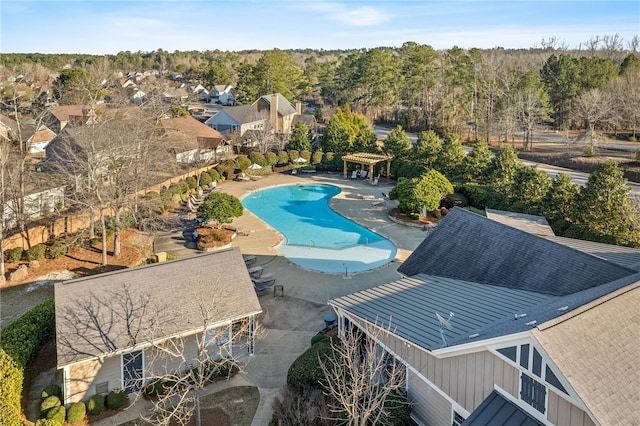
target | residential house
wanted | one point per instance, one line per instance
(192, 141)
(279, 111)
(500, 326)
(40, 138)
(236, 119)
(109, 326)
(8, 127)
(221, 94)
(57, 118)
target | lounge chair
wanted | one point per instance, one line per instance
(249, 259)
(367, 197)
(363, 174)
(294, 171)
(264, 279)
(375, 180)
(378, 203)
(354, 174)
(255, 271)
(261, 289)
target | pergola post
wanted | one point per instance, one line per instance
(344, 169)
(388, 169)
(371, 174)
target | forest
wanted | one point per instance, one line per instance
(479, 93)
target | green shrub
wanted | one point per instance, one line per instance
(116, 399)
(154, 388)
(305, 370)
(215, 176)
(315, 339)
(57, 414)
(283, 157)
(46, 422)
(257, 158)
(226, 367)
(51, 390)
(36, 252)
(413, 216)
(633, 139)
(191, 182)
(57, 250)
(398, 409)
(14, 255)
(328, 157)
(293, 154)
(95, 405)
(10, 391)
(49, 403)
(205, 179)
(22, 338)
(174, 188)
(590, 151)
(77, 412)
(271, 158)
(316, 157)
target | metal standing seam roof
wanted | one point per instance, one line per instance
(495, 410)
(620, 255)
(410, 305)
(184, 295)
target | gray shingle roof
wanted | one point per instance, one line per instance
(410, 304)
(532, 224)
(171, 297)
(469, 247)
(284, 106)
(243, 114)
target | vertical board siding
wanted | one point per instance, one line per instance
(428, 405)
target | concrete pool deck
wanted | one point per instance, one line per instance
(288, 323)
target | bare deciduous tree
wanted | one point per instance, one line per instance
(593, 109)
(362, 379)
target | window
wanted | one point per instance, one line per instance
(524, 356)
(552, 379)
(537, 363)
(533, 392)
(457, 419)
(132, 371)
(509, 352)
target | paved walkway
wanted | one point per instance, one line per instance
(288, 323)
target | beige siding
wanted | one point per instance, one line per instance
(429, 406)
(86, 375)
(562, 412)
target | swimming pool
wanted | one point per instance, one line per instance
(316, 237)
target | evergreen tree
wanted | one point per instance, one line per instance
(300, 138)
(476, 162)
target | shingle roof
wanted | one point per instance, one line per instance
(284, 106)
(469, 247)
(62, 113)
(178, 293)
(496, 410)
(243, 114)
(188, 133)
(597, 348)
(532, 224)
(411, 304)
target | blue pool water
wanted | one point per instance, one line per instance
(316, 237)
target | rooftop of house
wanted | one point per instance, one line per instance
(284, 106)
(533, 224)
(137, 305)
(190, 133)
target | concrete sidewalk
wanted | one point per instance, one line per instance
(288, 323)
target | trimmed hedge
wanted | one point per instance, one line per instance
(49, 403)
(11, 390)
(14, 255)
(116, 399)
(76, 413)
(36, 252)
(57, 250)
(305, 370)
(57, 414)
(51, 390)
(22, 338)
(46, 422)
(95, 405)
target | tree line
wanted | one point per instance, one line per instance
(480, 92)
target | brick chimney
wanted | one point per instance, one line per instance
(273, 112)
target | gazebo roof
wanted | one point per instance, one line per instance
(364, 158)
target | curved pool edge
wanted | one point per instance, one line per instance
(303, 264)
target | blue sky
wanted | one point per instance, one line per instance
(107, 27)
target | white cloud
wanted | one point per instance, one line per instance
(362, 16)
